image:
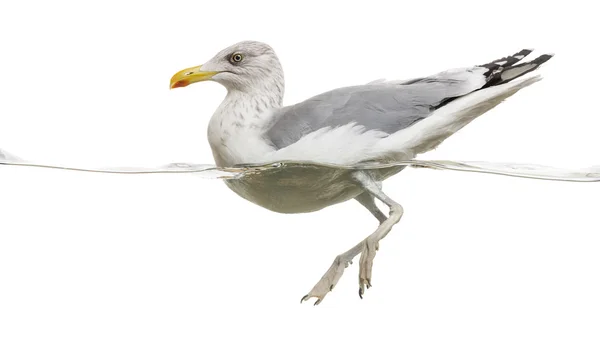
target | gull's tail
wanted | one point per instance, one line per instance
(503, 78)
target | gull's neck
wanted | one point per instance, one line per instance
(245, 106)
(236, 127)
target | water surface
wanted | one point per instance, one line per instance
(591, 174)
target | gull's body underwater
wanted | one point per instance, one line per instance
(383, 121)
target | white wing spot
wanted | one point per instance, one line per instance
(516, 71)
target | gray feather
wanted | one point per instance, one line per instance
(387, 107)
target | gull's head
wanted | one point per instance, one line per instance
(245, 66)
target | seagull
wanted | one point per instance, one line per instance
(382, 121)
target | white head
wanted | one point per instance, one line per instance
(249, 66)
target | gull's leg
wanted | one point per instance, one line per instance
(368, 201)
(333, 274)
(335, 271)
(371, 243)
(368, 246)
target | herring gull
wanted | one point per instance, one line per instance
(383, 121)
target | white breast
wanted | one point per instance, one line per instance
(235, 135)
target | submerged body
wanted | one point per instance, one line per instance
(302, 190)
(384, 121)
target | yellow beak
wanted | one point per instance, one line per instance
(191, 75)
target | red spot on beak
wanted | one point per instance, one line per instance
(180, 84)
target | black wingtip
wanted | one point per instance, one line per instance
(504, 70)
(504, 74)
(523, 53)
(542, 59)
(505, 62)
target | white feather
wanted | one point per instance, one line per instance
(344, 145)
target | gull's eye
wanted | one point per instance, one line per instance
(236, 58)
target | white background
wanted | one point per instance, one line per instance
(92, 257)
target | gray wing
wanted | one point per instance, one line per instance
(391, 106)
(386, 107)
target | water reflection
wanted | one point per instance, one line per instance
(289, 170)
